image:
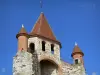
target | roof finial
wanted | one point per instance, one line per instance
(22, 25)
(41, 3)
(75, 43)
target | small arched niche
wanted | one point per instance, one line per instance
(77, 61)
(32, 47)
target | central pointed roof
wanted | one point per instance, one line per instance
(42, 28)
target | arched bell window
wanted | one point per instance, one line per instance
(52, 48)
(43, 45)
(32, 47)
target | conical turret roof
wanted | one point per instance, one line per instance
(22, 32)
(77, 50)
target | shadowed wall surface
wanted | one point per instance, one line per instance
(48, 68)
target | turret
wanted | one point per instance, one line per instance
(22, 37)
(77, 55)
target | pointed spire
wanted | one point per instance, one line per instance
(42, 28)
(76, 50)
(41, 3)
(22, 31)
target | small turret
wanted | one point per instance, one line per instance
(22, 37)
(77, 55)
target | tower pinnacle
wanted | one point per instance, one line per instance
(41, 3)
(75, 43)
(22, 25)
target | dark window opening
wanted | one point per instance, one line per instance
(32, 47)
(76, 61)
(52, 48)
(43, 46)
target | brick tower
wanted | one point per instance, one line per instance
(39, 53)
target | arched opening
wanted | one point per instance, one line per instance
(32, 47)
(76, 61)
(43, 45)
(48, 68)
(52, 48)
